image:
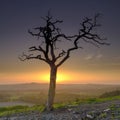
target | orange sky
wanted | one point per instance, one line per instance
(83, 69)
(63, 76)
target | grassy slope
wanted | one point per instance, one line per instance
(25, 109)
(66, 95)
(37, 93)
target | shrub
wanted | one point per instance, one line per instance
(110, 94)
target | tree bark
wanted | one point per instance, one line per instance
(52, 88)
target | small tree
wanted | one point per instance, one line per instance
(50, 36)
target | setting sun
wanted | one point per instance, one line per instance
(61, 77)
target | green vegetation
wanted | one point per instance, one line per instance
(39, 97)
(103, 115)
(19, 109)
(94, 100)
(25, 109)
(114, 108)
(111, 94)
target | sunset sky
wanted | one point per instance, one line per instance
(88, 65)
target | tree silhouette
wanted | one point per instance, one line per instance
(50, 37)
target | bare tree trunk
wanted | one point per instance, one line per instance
(52, 87)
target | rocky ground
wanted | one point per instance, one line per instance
(100, 111)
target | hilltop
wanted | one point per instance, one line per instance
(72, 101)
(71, 87)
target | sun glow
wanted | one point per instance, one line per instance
(79, 77)
(61, 77)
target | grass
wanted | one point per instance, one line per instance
(5, 111)
(38, 97)
(85, 101)
(25, 109)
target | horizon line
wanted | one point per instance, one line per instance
(61, 83)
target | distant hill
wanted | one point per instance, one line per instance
(24, 86)
(71, 88)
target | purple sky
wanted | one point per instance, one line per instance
(17, 16)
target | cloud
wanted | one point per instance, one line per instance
(89, 57)
(99, 56)
(92, 56)
(118, 58)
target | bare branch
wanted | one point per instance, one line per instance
(69, 51)
(51, 34)
(25, 57)
(61, 54)
(57, 21)
(34, 48)
(86, 32)
(54, 39)
(33, 34)
(91, 42)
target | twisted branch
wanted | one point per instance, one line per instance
(51, 34)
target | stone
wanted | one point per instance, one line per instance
(106, 110)
(89, 116)
(69, 109)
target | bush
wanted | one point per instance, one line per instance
(111, 94)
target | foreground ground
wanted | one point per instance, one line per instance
(90, 100)
(109, 110)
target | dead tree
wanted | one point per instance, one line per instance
(50, 36)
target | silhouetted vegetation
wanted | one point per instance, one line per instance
(110, 94)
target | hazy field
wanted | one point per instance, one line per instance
(34, 93)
